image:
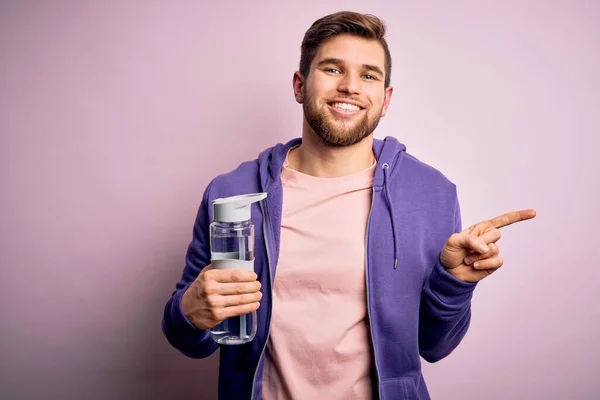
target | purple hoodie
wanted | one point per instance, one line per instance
(415, 308)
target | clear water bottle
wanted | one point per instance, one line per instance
(232, 247)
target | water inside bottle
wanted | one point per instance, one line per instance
(235, 330)
(233, 241)
(240, 329)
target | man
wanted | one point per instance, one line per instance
(361, 263)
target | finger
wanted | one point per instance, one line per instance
(233, 300)
(234, 311)
(475, 243)
(491, 236)
(512, 217)
(473, 257)
(469, 274)
(238, 288)
(232, 275)
(489, 263)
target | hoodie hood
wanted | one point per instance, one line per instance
(389, 153)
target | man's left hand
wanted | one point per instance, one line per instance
(473, 254)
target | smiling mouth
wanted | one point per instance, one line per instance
(345, 108)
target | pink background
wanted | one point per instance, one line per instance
(115, 115)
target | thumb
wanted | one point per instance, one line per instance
(204, 270)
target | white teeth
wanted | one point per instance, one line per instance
(346, 106)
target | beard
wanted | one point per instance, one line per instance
(336, 133)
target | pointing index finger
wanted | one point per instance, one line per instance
(512, 217)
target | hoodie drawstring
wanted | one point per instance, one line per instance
(386, 180)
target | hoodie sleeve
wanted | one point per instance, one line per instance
(178, 330)
(445, 308)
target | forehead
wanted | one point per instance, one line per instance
(353, 50)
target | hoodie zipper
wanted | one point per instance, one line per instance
(266, 239)
(368, 297)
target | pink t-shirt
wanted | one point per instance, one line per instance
(319, 346)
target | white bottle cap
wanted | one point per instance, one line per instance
(235, 208)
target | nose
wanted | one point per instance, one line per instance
(349, 84)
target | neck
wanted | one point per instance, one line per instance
(316, 158)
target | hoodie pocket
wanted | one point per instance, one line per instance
(399, 389)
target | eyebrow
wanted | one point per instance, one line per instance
(339, 63)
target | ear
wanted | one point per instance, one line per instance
(298, 84)
(386, 101)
